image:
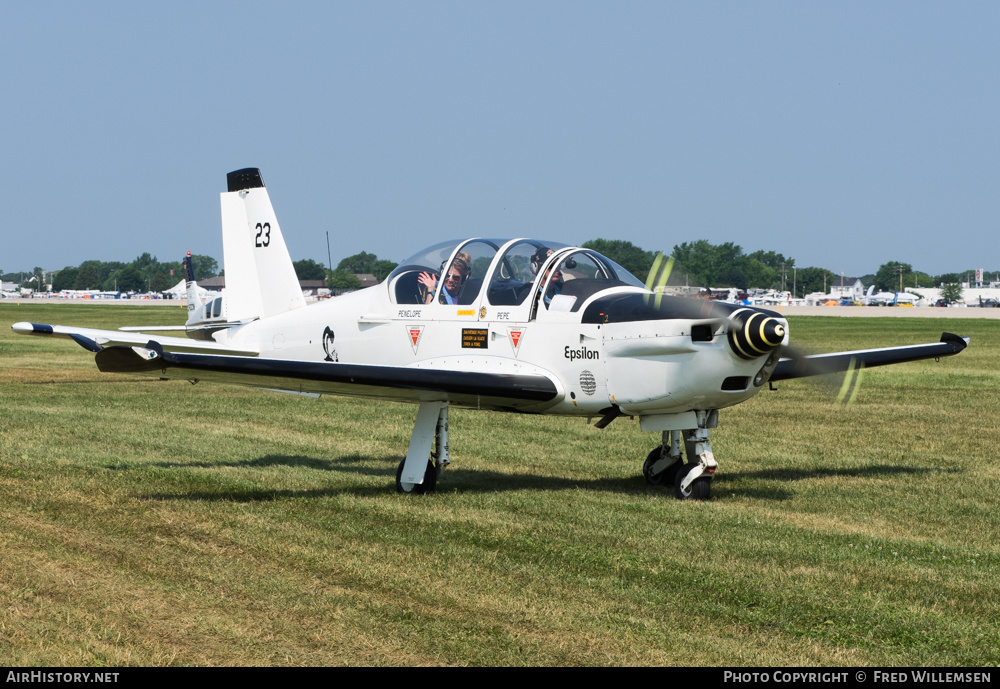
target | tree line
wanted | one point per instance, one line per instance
(145, 274)
(344, 276)
(703, 264)
(696, 264)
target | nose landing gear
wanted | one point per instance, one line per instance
(664, 465)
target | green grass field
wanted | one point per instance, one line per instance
(162, 523)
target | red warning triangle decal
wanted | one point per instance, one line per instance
(515, 338)
(414, 331)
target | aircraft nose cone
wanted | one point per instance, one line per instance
(754, 333)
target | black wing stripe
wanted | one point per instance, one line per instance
(331, 378)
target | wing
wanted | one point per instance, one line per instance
(835, 362)
(95, 340)
(517, 392)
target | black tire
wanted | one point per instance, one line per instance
(430, 480)
(700, 489)
(664, 477)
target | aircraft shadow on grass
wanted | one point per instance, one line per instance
(781, 475)
(293, 461)
(786, 474)
(461, 480)
(479, 481)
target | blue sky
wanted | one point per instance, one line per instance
(841, 134)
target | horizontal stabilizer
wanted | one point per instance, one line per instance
(838, 362)
(94, 340)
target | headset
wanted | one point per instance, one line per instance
(542, 253)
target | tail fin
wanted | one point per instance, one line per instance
(202, 308)
(195, 294)
(260, 278)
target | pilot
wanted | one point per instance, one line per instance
(455, 277)
(556, 283)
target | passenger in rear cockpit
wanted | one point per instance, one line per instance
(556, 283)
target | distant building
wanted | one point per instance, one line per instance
(216, 284)
(367, 279)
(312, 287)
(852, 289)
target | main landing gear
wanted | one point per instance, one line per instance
(416, 473)
(664, 465)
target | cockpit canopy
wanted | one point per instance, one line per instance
(502, 272)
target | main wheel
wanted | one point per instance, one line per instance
(430, 480)
(664, 477)
(700, 488)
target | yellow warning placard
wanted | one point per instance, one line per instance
(475, 338)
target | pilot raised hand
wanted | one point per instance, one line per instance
(454, 279)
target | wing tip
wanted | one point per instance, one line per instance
(26, 328)
(957, 340)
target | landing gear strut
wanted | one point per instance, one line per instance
(416, 473)
(664, 465)
(694, 480)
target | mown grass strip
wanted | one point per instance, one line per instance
(160, 523)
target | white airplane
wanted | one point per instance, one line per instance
(517, 325)
(206, 310)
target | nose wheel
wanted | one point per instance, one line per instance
(697, 488)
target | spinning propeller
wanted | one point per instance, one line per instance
(754, 332)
